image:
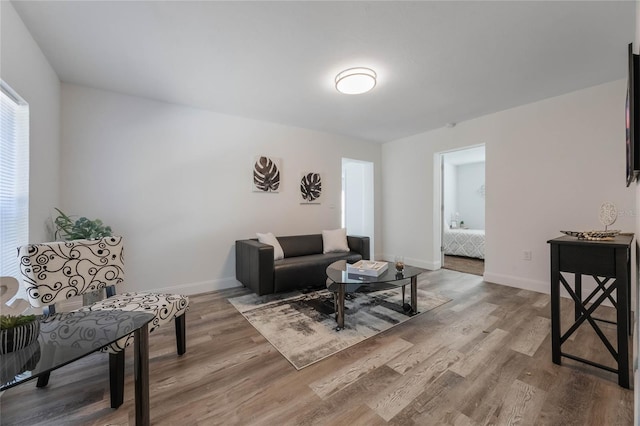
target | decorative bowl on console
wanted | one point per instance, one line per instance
(593, 235)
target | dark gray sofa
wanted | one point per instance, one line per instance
(303, 266)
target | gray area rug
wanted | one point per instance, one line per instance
(302, 326)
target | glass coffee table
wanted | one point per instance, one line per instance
(341, 282)
(67, 337)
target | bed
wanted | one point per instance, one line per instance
(464, 242)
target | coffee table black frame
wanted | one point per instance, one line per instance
(341, 282)
(67, 337)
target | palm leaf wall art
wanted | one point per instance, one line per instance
(311, 188)
(266, 174)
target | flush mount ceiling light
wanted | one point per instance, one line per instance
(355, 81)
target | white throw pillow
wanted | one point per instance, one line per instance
(335, 240)
(271, 239)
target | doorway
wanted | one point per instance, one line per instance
(357, 199)
(462, 201)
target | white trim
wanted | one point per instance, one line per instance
(197, 287)
(188, 289)
(432, 266)
(517, 282)
(533, 285)
(7, 90)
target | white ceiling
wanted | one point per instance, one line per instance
(437, 62)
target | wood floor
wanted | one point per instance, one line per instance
(467, 265)
(483, 358)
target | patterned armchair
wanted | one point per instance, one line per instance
(52, 272)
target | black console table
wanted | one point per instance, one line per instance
(609, 263)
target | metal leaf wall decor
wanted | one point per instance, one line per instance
(311, 188)
(266, 174)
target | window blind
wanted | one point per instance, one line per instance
(14, 178)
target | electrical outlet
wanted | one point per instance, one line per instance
(526, 255)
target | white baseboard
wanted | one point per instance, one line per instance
(198, 287)
(432, 266)
(533, 285)
(186, 289)
(517, 282)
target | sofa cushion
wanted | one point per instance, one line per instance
(301, 245)
(327, 258)
(271, 240)
(335, 241)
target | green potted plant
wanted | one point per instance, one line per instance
(80, 229)
(17, 332)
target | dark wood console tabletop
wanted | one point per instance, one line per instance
(609, 263)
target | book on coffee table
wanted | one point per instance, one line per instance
(370, 268)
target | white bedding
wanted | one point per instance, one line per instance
(464, 242)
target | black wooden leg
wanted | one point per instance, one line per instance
(181, 337)
(622, 294)
(340, 299)
(141, 370)
(629, 311)
(555, 304)
(43, 380)
(414, 295)
(578, 289)
(116, 378)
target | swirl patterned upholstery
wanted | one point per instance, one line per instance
(53, 272)
(165, 307)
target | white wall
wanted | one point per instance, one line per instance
(24, 67)
(470, 201)
(549, 166)
(176, 183)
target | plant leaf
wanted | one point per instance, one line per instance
(266, 176)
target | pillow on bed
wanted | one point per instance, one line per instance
(271, 239)
(335, 241)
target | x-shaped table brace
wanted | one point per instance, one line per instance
(586, 316)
